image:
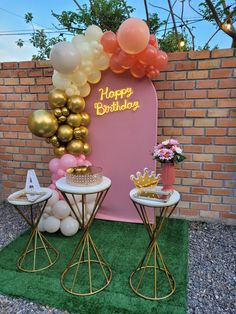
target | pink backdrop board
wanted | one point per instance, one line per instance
(123, 138)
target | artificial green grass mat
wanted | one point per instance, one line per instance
(122, 245)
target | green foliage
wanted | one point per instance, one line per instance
(170, 43)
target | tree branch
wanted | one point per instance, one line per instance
(206, 44)
(78, 5)
(173, 20)
(146, 11)
(168, 19)
(190, 5)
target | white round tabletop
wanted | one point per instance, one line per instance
(15, 200)
(175, 197)
(62, 185)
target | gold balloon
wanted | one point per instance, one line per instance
(76, 104)
(42, 123)
(85, 118)
(57, 98)
(75, 147)
(65, 111)
(48, 140)
(81, 133)
(62, 119)
(87, 148)
(65, 133)
(57, 112)
(53, 139)
(57, 144)
(74, 119)
(59, 151)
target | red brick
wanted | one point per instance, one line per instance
(225, 158)
(222, 53)
(220, 73)
(222, 175)
(189, 212)
(232, 131)
(186, 65)
(195, 113)
(226, 122)
(27, 64)
(203, 157)
(176, 113)
(174, 94)
(201, 174)
(198, 74)
(200, 190)
(27, 81)
(165, 104)
(225, 140)
(193, 149)
(177, 56)
(212, 166)
(201, 206)
(206, 84)
(183, 103)
(205, 103)
(228, 63)
(209, 64)
(228, 215)
(172, 132)
(203, 54)
(204, 122)
(163, 85)
(209, 214)
(218, 93)
(211, 199)
(13, 97)
(43, 80)
(183, 122)
(10, 65)
(202, 140)
(184, 85)
(194, 131)
(227, 83)
(176, 76)
(195, 182)
(215, 131)
(190, 197)
(218, 112)
(196, 94)
(220, 207)
(226, 103)
(35, 72)
(192, 165)
(22, 89)
(214, 149)
(221, 191)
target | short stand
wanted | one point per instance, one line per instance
(87, 272)
(38, 253)
(152, 279)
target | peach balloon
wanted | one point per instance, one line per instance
(109, 42)
(138, 70)
(133, 35)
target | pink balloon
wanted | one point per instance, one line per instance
(148, 55)
(85, 163)
(82, 156)
(133, 35)
(54, 165)
(153, 41)
(61, 173)
(126, 60)
(52, 186)
(138, 70)
(115, 66)
(68, 161)
(109, 42)
(161, 60)
(55, 177)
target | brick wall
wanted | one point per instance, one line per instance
(197, 105)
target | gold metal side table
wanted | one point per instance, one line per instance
(38, 253)
(87, 272)
(152, 279)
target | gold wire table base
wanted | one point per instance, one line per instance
(87, 272)
(38, 254)
(152, 279)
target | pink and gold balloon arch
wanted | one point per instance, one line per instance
(79, 63)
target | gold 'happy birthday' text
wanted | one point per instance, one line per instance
(118, 101)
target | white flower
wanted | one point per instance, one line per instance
(166, 142)
(178, 150)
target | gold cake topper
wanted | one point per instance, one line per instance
(146, 180)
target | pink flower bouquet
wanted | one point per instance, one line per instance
(168, 151)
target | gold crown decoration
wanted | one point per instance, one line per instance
(146, 180)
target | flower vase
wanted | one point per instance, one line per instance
(168, 176)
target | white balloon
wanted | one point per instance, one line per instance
(44, 215)
(87, 66)
(85, 90)
(72, 90)
(93, 32)
(64, 57)
(69, 226)
(60, 81)
(47, 210)
(53, 199)
(85, 51)
(41, 225)
(77, 40)
(61, 209)
(89, 208)
(52, 224)
(79, 78)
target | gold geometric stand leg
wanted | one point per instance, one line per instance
(38, 254)
(87, 272)
(151, 279)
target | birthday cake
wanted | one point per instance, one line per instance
(84, 176)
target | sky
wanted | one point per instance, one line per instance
(12, 21)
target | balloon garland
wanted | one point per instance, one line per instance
(78, 64)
